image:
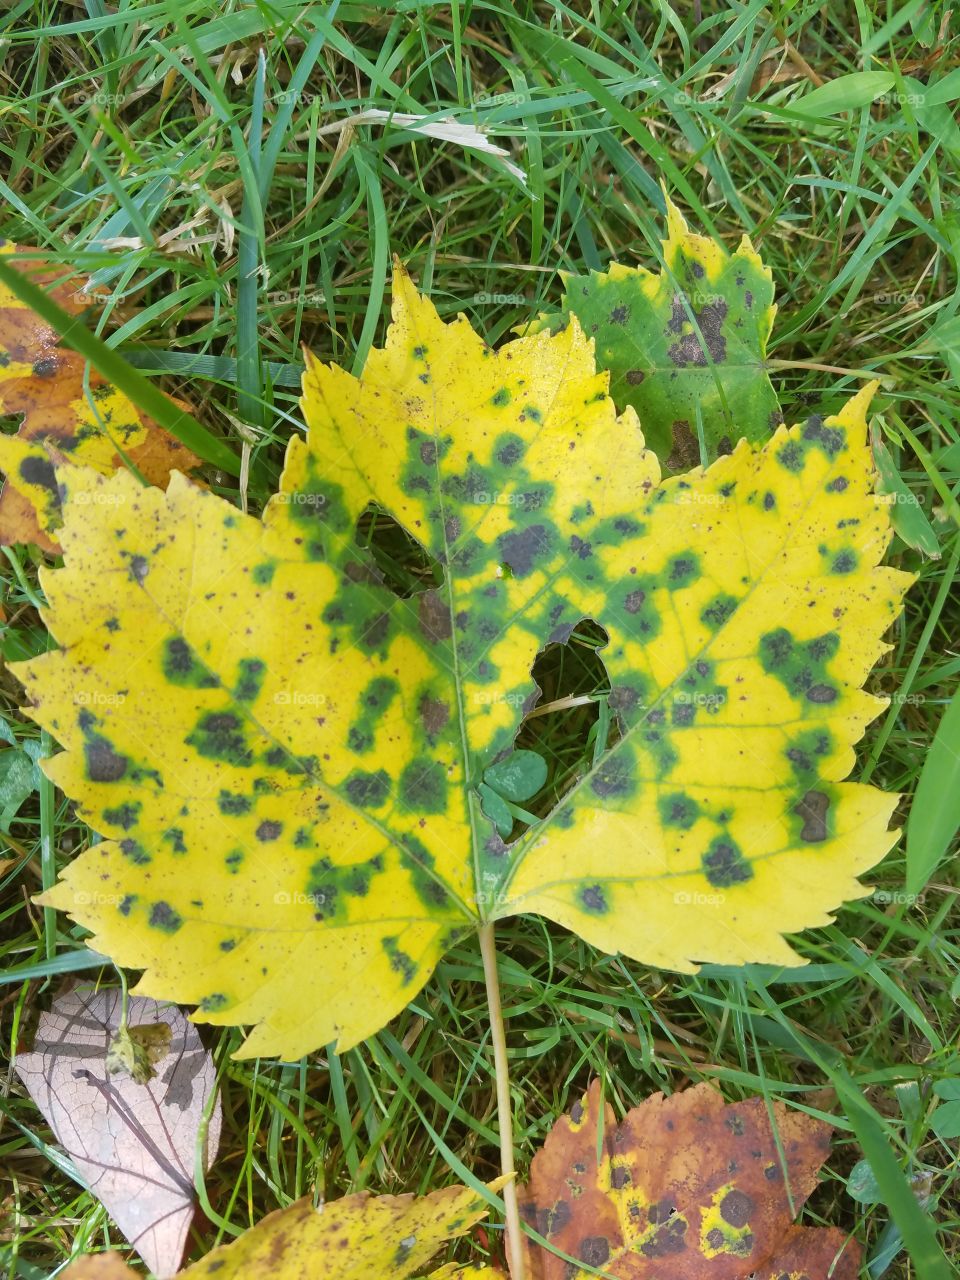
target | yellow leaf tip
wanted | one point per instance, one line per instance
(676, 222)
(866, 393)
(853, 414)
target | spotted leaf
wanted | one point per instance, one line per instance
(359, 1237)
(686, 345)
(284, 754)
(685, 1186)
(66, 406)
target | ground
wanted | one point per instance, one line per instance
(127, 151)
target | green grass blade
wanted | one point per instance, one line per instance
(129, 380)
(66, 962)
(381, 252)
(249, 277)
(916, 1226)
(844, 93)
(906, 514)
(935, 812)
(187, 364)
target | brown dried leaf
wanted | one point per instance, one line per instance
(686, 1186)
(99, 1266)
(813, 1253)
(133, 1144)
(49, 385)
(24, 337)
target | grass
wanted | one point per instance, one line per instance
(249, 243)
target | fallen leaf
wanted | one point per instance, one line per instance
(687, 341)
(99, 1266)
(284, 756)
(688, 1187)
(132, 1144)
(67, 406)
(360, 1237)
(480, 1271)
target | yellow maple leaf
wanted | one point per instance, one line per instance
(284, 755)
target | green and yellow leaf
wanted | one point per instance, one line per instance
(686, 346)
(284, 756)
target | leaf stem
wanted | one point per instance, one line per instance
(823, 368)
(488, 950)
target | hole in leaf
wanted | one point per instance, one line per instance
(564, 725)
(406, 565)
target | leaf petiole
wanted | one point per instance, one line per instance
(488, 951)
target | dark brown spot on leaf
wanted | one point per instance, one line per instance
(434, 615)
(812, 809)
(735, 1208)
(434, 714)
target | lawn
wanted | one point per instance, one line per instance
(236, 178)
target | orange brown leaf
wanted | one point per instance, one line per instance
(686, 1186)
(66, 406)
(100, 1266)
